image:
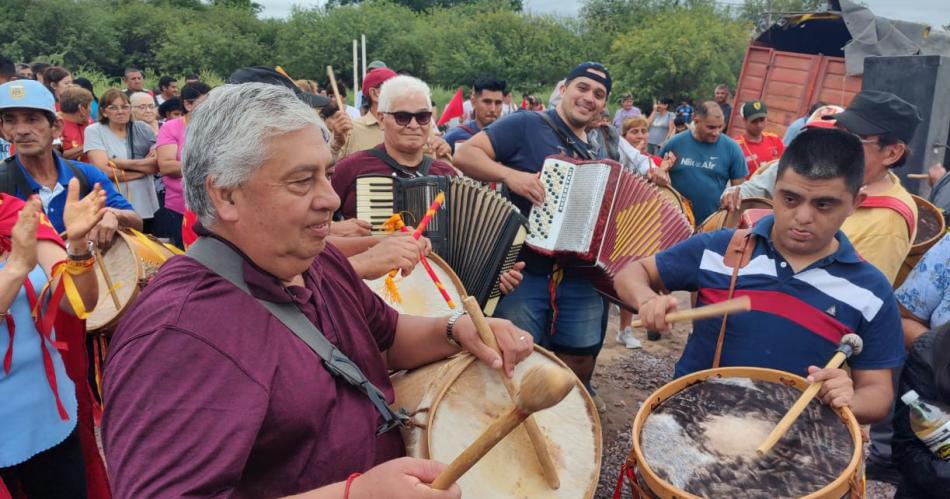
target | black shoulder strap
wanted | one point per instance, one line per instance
(81, 176)
(224, 261)
(384, 156)
(12, 179)
(570, 143)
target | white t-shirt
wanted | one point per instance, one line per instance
(141, 191)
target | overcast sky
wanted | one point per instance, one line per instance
(933, 12)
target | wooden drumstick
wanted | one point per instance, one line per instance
(339, 103)
(740, 304)
(543, 387)
(851, 344)
(530, 425)
(108, 279)
(918, 176)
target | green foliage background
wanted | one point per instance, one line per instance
(653, 48)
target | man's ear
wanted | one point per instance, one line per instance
(858, 200)
(894, 152)
(222, 200)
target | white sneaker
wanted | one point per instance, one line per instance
(626, 337)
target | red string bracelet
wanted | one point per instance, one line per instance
(349, 481)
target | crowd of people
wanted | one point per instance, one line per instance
(211, 387)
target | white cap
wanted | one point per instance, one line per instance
(910, 397)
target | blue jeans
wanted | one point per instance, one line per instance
(580, 313)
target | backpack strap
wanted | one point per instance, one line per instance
(80, 175)
(738, 254)
(12, 178)
(468, 129)
(895, 204)
(384, 156)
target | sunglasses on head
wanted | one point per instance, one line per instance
(404, 117)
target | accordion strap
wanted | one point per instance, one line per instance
(739, 252)
(384, 156)
(576, 149)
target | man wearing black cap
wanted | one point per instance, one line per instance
(512, 150)
(884, 227)
(758, 146)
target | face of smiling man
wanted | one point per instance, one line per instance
(583, 100)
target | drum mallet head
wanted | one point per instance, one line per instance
(541, 388)
(851, 344)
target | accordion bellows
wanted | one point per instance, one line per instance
(599, 214)
(477, 232)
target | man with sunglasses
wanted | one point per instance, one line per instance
(404, 107)
(551, 298)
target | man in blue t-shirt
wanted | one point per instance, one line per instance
(512, 150)
(29, 120)
(488, 96)
(807, 285)
(706, 160)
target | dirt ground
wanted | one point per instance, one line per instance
(624, 378)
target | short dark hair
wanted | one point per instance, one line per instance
(890, 139)
(679, 121)
(192, 76)
(666, 100)
(132, 70)
(85, 83)
(826, 153)
(490, 84)
(165, 81)
(38, 68)
(340, 85)
(7, 68)
(173, 104)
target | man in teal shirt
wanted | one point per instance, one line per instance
(706, 160)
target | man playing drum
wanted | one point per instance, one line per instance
(807, 284)
(207, 392)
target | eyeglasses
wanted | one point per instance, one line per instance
(114, 108)
(143, 107)
(404, 117)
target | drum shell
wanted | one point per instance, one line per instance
(130, 263)
(680, 201)
(724, 219)
(917, 249)
(655, 486)
(464, 387)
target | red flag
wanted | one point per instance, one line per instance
(453, 109)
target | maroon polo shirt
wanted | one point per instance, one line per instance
(207, 394)
(364, 163)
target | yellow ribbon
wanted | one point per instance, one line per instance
(150, 244)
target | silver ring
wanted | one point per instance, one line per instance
(523, 338)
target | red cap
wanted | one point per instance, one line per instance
(375, 78)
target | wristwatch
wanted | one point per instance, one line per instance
(450, 326)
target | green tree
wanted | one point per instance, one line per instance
(221, 41)
(681, 52)
(758, 10)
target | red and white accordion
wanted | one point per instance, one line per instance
(598, 214)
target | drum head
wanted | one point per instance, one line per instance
(477, 398)
(419, 294)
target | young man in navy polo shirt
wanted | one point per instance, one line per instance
(488, 95)
(807, 284)
(568, 321)
(29, 119)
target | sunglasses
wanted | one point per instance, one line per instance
(404, 117)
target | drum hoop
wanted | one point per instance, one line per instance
(716, 224)
(665, 490)
(684, 205)
(133, 243)
(924, 205)
(465, 361)
(434, 258)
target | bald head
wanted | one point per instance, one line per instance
(709, 122)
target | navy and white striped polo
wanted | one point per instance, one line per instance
(797, 319)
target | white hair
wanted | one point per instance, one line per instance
(228, 134)
(141, 95)
(402, 86)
